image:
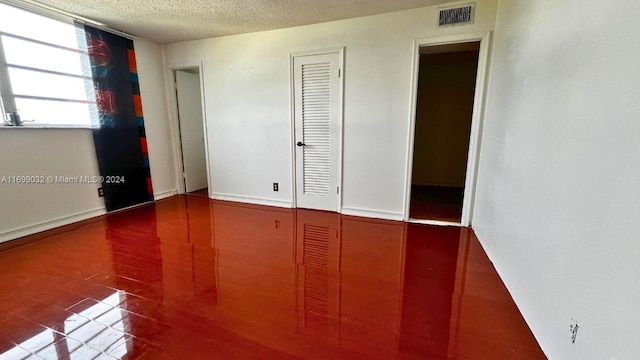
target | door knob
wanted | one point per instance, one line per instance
(300, 143)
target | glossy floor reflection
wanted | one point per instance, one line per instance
(191, 278)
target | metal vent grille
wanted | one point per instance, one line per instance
(458, 15)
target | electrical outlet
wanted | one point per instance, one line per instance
(573, 328)
(275, 186)
(100, 192)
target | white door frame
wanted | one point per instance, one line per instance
(174, 125)
(292, 140)
(476, 121)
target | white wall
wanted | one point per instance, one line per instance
(27, 209)
(248, 104)
(156, 120)
(559, 182)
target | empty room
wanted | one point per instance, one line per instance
(410, 179)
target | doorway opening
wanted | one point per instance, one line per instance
(445, 96)
(191, 131)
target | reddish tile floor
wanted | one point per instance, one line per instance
(192, 278)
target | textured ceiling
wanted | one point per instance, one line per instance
(166, 21)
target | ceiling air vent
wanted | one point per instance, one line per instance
(458, 15)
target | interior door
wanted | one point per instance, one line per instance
(191, 129)
(316, 111)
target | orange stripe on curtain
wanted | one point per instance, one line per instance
(137, 104)
(143, 147)
(133, 66)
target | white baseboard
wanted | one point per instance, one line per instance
(165, 194)
(252, 200)
(376, 214)
(51, 224)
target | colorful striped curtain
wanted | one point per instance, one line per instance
(120, 139)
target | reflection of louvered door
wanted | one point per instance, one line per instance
(316, 100)
(318, 273)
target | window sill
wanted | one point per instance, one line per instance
(44, 126)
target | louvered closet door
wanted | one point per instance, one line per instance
(316, 96)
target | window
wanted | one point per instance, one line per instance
(45, 75)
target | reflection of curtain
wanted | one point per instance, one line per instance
(120, 140)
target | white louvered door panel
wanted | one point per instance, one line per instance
(316, 95)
